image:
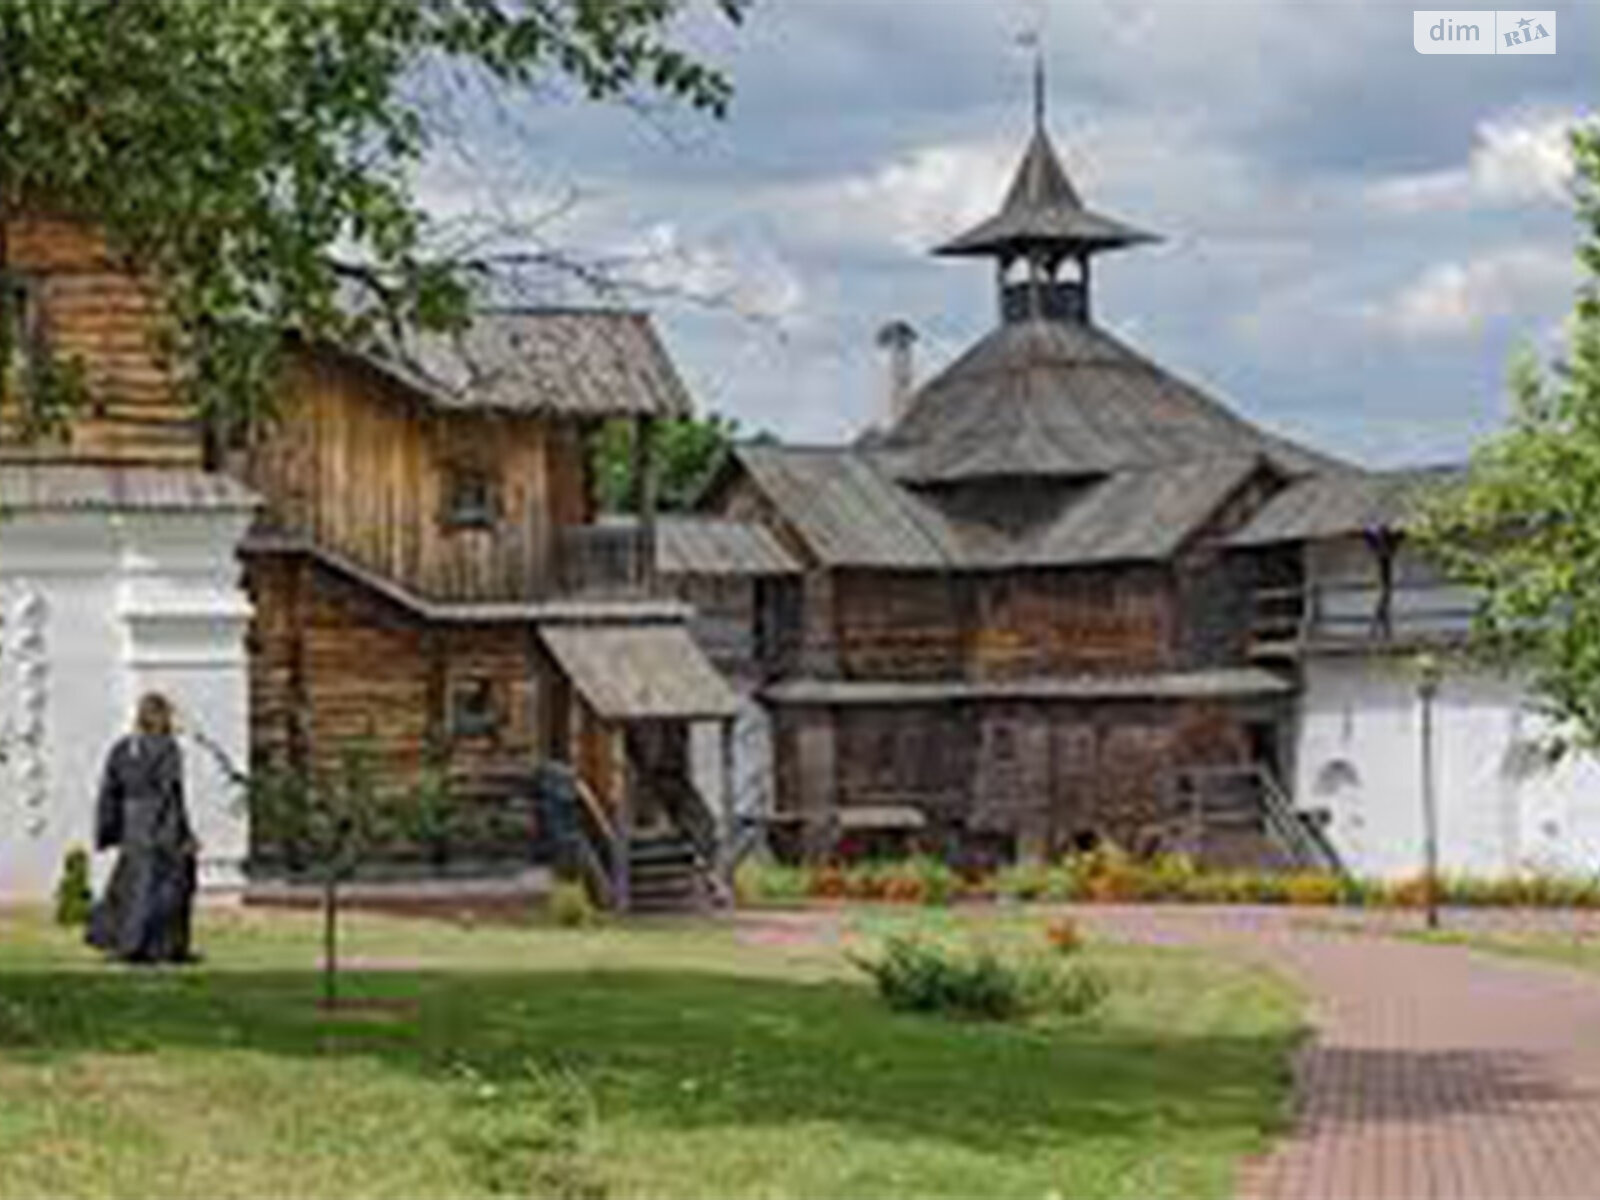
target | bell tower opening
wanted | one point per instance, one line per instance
(1043, 238)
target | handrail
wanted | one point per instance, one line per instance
(693, 816)
(604, 852)
(1306, 844)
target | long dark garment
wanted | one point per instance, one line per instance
(145, 912)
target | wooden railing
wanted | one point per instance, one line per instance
(604, 560)
(1249, 791)
(602, 852)
(695, 820)
(1333, 615)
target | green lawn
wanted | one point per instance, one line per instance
(694, 1061)
(1574, 949)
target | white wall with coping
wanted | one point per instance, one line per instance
(1503, 807)
(97, 608)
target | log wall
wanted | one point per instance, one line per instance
(360, 466)
(91, 309)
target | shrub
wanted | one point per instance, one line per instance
(939, 881)
(1408, 893)
(1312, 888)
(1022, 881)
(570, 906)
(1064, 936)
(829, 883)
(761, 882)
(73, 898)
(915, 974)
(1166, 877)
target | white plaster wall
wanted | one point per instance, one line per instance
(1500, 809)
(98, 608)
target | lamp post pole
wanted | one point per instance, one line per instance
(1427, 690)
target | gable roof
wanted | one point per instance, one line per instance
(712, 546)
(1340, 504)
(851, 514)
(640, 672)
(1042, 208)
(1065, 399)
(848, 512)
(570, 362)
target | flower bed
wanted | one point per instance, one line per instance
(1109, 876)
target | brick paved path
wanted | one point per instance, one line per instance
(1435, 1072)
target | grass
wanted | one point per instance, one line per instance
(1576, 948)
(700, 1062)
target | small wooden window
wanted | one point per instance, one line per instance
(472, 501)
(473, 708)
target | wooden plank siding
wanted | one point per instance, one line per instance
(358, 466)
(91, 309)
(334, 665)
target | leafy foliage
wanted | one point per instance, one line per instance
(571, 907)
(73, 897)
(1523, 529)
(916, 973)
(686, 454)
(257, 157)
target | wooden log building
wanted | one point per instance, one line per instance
(1020, 627)
(426, 574)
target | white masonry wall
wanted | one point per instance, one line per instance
(1502, 806)
(97, 608)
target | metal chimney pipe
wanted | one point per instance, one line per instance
(898, 338)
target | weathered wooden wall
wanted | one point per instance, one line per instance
(1042, 773)
(334, 665)
(92, 310)
(361, 466)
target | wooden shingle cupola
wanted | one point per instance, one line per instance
(1043, 237)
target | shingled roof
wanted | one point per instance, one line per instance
(570, 362)
(1065, 399)
(83, 487)
(1342, 503)
(851, 514)
(1042, 207)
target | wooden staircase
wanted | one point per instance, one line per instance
(674, 869)
(1240, 818)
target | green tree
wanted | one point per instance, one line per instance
(258, 157)
(1523, 528)
(686, 452)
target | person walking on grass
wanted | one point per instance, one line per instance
(144, 914)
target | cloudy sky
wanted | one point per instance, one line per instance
(1356, 236)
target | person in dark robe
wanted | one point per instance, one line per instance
(144, 915)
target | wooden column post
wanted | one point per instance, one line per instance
(726, 838)
(645, 499)
(622, 866)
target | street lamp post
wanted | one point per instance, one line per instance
(1428, 675)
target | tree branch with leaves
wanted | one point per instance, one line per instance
(1523, 528)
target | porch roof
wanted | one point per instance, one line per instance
(640, 672)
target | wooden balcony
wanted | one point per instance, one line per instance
(1357, 618)
(605, 560)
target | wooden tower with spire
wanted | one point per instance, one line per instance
(1043, 237)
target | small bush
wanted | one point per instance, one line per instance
(939, 881)
(570, 906)
(829, 883)
(1311, 888)
(1064, 936)
(915, 974)
(73, 897)
(760, 882)
(1022, 881)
